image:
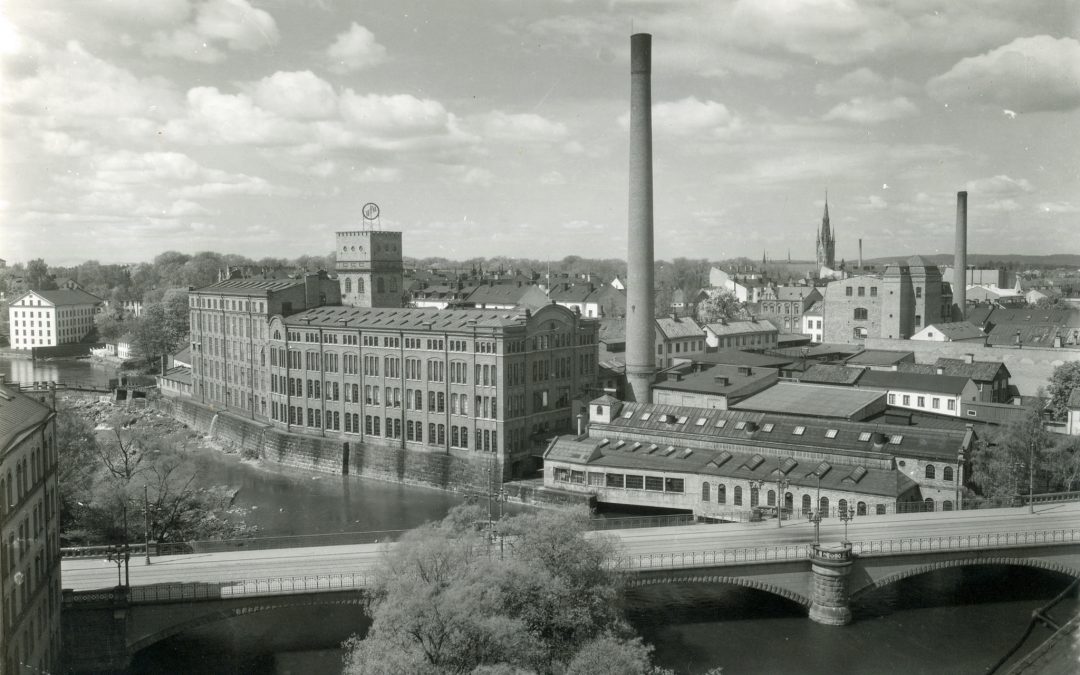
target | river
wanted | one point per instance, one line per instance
(949, 621)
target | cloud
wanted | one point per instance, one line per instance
(690, 117)
(233, 119)
(1029, 74)
(871, 110)
(517, 128)
(1058, 207)
(478, 176)
(299, 95)
(354, 50)
(233, 24)
(999, 186)
(376, 174)
(553, 178)
(862, 82)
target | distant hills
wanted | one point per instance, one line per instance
(1009, 260)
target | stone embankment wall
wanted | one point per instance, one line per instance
(458, 470)
(1030, 367)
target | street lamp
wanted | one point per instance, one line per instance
(118, 554)
(846, 514)
(815, 515)
(782, 484)
(1031, 476)
(755, 488)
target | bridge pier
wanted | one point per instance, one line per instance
(831, 566)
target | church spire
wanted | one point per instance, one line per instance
(826, 240)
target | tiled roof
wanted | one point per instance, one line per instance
(568, 293)
(18, 414)
(260, 287)
(711, 380)
(612, 329)
(501, 293)
(984, 371)
(879, 357)
(63, 297)
(814, 310)
(828, 373)
(405, 319)
(813, 400)
(679, 328)
(957, 330)
(888, 379)
(737, 357)
(741, 327)
(793, 292)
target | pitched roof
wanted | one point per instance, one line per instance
(813, 400)
(682, 327)
(932, 383)
(737, 357)
(980, 371)
(63, 297)
(570, 293)
(957, 330)
(727, 380)
(260, 287)
(742, 327)
(880, 357)
(405, 319)
(18, 414)
(827, 373)
(504, 294)
(794, 292)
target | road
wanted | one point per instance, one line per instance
(88, 574)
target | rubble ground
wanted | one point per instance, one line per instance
(138, 416)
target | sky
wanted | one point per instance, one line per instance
(500, 127)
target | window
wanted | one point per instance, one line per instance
(930, 472)
(798, 431)
(861, 314)
(873, 291)
(947, 473)
(907, 399)
(918, 293)
(935, 403)
(847, 291)
(673, 485)
(615, 480)
(654, 483)
(951, 404)
(831, 433)
(738, 495)
(920, 401)
(807, 504)
(705, 496)
(865, 436)
(862, 291)
(635, 482)
(918, 319)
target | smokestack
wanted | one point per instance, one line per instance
(860, 255)
(640, 336)
(960, 257)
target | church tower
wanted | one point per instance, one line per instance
(826, 241)
(369, 265)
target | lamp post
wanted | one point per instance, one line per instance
(755, 488)
(815, 515)
(1031, 476)
(146, 522)
(846, 514)
(782, 484)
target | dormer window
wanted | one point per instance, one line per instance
(831, 433)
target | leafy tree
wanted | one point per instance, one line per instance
(110, 327)
(1002, 462)
(162, 328)
(723, 305)
(1063, 381)
(447, 600)
(77, 450)
(1063, 459)
(37, 276)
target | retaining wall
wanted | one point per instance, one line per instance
(457, 469)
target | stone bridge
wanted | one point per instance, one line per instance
(102, 630)
(826, 578)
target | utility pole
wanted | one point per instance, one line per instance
(146, 522)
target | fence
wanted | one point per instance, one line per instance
(185, 592)
(736, 556)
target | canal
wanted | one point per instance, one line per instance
(949, 621)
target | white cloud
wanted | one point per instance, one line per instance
(299, 94)
(871, 110)
(214, 117)
(518, 128)
(690, 117)
(553, 178)
(1058, 207)
(234, 24)
(394, 114)
(478, 176)
(999, 186)
(375, 174)
(353, 50)
(1029, 74)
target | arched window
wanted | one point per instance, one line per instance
(928, 504)
(753, 496)
(348, 285)
(771, 498)
(930, 472)
(277, 335)
(841, 506)
(861, 314)
(600, 411)
(860, 509)
(807, 504)
(879, 509)
(705, 496)
(946, 473)
(946, 505)
(721, 494)
(738, 495)
(823, 506)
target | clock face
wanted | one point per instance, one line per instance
(371, 211)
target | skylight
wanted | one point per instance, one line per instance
(700, 422)
(798, 431)
(681, 420)
(865, 436)
(767, 427)
(896, 439)
(831, 433)
(721, 424)
(740, 425)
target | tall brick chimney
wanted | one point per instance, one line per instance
(960, 257)
(640, 335)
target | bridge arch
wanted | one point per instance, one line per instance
(745, 582)
(210, 615)
(1016, 561)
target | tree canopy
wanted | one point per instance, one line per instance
(1063, 381)
(722, 305)
(1003, 458)
(449, 599)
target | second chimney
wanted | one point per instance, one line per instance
(960, 257)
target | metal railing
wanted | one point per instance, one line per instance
(771, 554)
(187, 591)
(630, 522)
(244, 544)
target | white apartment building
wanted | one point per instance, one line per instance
(50, 318)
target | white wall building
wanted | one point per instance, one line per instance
(50, 318)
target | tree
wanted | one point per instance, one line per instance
(37, 276)
(1002, 462)
(1063, 459)
(110, 326)
(721, 306)
(162, 328)
(1063, 381)
(446, 600)
(76, 448)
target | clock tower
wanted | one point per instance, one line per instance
(369, 265)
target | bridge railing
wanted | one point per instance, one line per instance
(769, 554)
(188, 591)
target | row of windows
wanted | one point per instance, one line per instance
(920, 401)
(232, 304)
(849, 290)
